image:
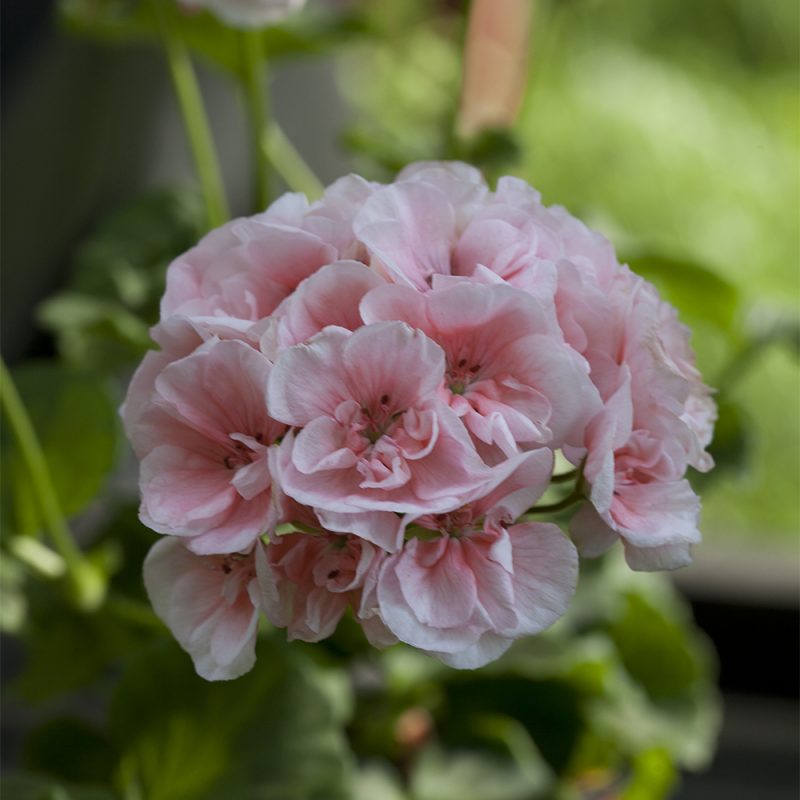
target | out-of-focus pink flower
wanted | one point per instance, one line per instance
(210, 603)
(248, 13)
(204, 442)
(495, 64)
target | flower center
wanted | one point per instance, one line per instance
(461, 374)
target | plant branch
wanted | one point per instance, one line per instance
(257, 101)
(195, 121)
(289, 164)
(84, 580)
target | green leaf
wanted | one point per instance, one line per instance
(22, 786)
(653, 778)
(439, 775)
(701, 295)
(76, 422)
(272, 733)
(101, 320)
(655, 650)
(72, 750)
(310, 33)
(66, 648)
(374, 782)
(94, 332)
(14, 608)
(732, 445)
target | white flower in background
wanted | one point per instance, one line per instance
(248, 13)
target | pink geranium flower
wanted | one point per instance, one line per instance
(375, 436)
(204, 441)
(509, 375)
(312, 579)
(209, 603)
(465, 595)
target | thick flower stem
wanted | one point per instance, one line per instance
(85, 582)
(289, 164)
(198, 132)
(256, 91)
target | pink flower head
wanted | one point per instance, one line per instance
(509, 375)
(204, 441)
(656, 422)
(374, 434)
(312, 579)
(483, 582)
(331, 296)
(389, 370)
(210, 603)
(243, 269)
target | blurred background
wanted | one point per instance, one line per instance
(671, 126)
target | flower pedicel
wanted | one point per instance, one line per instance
(357, 402)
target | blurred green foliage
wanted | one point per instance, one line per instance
(670, 125)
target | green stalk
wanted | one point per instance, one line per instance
(198, 132)
(551, 508)
(289, 164)
(85, 582)
(254, 78)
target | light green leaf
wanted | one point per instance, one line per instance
(700, 294)
(474, 775)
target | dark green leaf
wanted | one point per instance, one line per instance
(71, 749)
(76, 422)
(21, 786)
(272, 733)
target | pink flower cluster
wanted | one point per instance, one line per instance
(357, 403)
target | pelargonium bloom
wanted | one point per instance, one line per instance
(204, 442)
(482, 582)
(375, 435)
(387, 373)
(509, 376)
(313, 578)
(210, 603)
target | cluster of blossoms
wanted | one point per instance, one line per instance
(357, 403)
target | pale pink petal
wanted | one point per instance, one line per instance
(188, 594)
(308, 380)
(408, 229)
(545, 575)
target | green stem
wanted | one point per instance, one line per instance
(551, 508)
(257, 101)
(289, 164)
(84, 581)
(564, 476)
(190, 101)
